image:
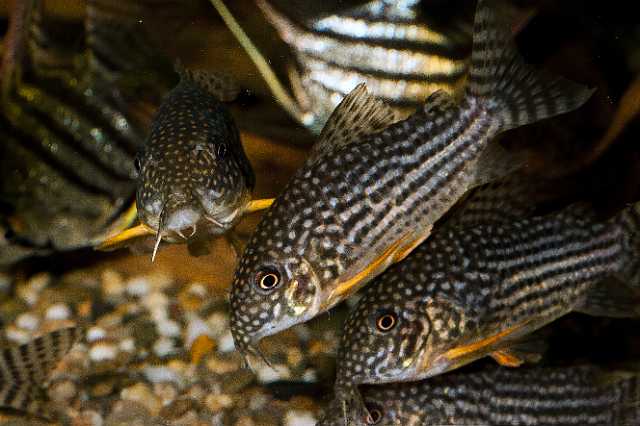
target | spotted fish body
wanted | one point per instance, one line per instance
(25, 368)
(389, 45)
(366, 197)
(536, 396)
(469, 292)
(194, 174)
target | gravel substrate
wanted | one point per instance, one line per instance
(159, 352)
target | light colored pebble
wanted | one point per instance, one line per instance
(88, 418)
(218, 323)
(294, 356)
(112, 285)
(103, 351)
(196, 326)
(258, 402)
(138, 286)
(17, 335)
(127, 344)
(268, 374)
(168, 328)
(164, 346)
(141, 394)
(59, 311)
(217, 403)
(198, 289)
(62, 391)
(157, 304)
(299, 418)
(167, 392)
(222, 366)
(27, 321)
(162, 374)
(310, 376)
(30, 291)
(96, 333)
(225, 344)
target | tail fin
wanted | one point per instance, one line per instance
(25, 368)
(629, 220)
(514, 91)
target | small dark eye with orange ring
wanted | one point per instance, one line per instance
(386, 321)
(374, 416)
(268, 279)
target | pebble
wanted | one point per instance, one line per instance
(17, 335)
(219, 365)
(62, 391)
(113, 286)
(103, 351)
(141, 394)
(218, 323)
(58, 311)
(28, 321)
(30, 291)
(162, 374)
(164, 347)
(127, 345)
(167, 392)
(299, 418)
(95, 333)
(196, 327)
(268, 374)
(217, 403)
(138, 286)
(88, 418)
(225, 344)
(169, 328)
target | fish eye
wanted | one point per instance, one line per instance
(268, 279)
(222, 150)
(386, 321)
(374, 416)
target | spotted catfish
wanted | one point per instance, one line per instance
(195, 180)
(366, 197)
(568, 396)
(474, 291)
(25, 368)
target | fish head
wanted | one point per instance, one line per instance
(270, 292)
(392, 335)
(200, 188)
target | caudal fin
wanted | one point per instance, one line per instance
(629, 220)
(517, 93)
(25, 368)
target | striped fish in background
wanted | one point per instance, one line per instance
(389, 45)
(71, 124)
(583, 395)
(25, 368)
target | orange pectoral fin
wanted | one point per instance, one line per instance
(407, 248)
(125, 238)
(349, 286)
(257, 205)
(481, 347)
(506, 359)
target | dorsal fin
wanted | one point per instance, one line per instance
(25, 368)
(218, 84)
(358, 115)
